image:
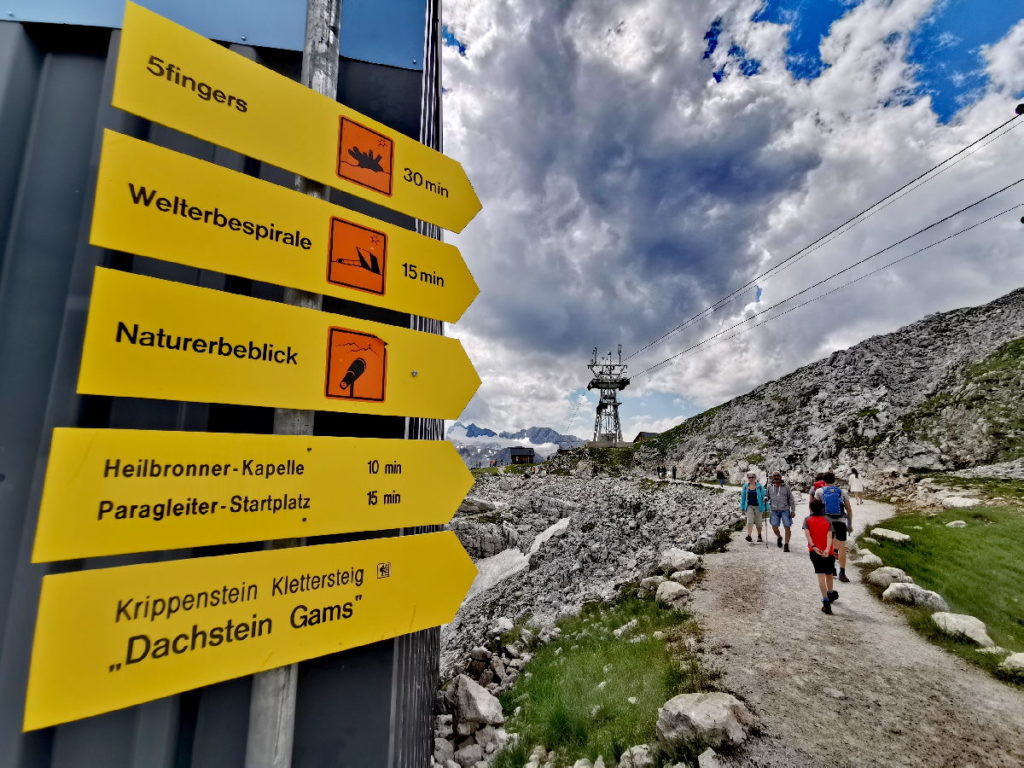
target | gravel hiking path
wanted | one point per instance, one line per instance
(858, 688)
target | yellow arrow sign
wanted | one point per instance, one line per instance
(162, 204)
(112, 491)
(153, 338)
(175, 77)
(113, 637)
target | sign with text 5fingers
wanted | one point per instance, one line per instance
(114, 491)
(112, 637)
(147, 337)
(162, 204)
(175, 77)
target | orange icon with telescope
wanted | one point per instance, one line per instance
(365, 156)
(356, 365)
(357, 256)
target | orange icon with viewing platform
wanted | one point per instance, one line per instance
(365, 156)
(357, 256)
(356, 365)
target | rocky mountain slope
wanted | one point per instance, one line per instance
(941, 394)
(479, 445)
(546, 544)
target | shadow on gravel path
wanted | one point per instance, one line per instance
(859, 688)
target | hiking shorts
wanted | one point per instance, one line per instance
(782, 515)
(825, 565)
(754, 516)
(839, 528)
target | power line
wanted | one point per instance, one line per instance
(813, 245)
(864, 276)
(934, 224)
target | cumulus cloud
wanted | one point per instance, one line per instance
(625, 189)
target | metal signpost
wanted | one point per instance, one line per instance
(110, 636)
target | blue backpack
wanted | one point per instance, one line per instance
(833, 497)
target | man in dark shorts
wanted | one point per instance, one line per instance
(839, 512)
(820, 545)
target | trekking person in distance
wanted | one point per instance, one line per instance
(782, 507)
(856, 486)
(720, 477)
(839, 512)
(752, 503)
(820, 544)
(819, 482)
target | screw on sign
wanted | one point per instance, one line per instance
(358, 257)
(365, 156)
(356, 365)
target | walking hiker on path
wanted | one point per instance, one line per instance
(783, 508)
(820, 544)
(720, 477)
(673, 472)
(819, 482)
(857, 486)
(839, 512)
(752, 502)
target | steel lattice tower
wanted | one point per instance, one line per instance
(609, 378)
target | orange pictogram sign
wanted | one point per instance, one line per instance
(356, 365)
(357, 256)
(365, 156)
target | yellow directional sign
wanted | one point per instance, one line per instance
(112, 491)
(113, 637)
(158, 203)
(175, 77)
(153, 338)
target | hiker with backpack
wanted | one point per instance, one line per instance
(839, 512)
(821, 546)
(783, 507)
(753, 504)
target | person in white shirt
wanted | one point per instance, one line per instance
(856, 486)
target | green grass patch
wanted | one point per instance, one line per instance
(979, 569)
(562, 706)
(988, 487)
(485, 471)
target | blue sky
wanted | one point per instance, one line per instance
(636, 163)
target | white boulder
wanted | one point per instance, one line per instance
(676, 559)
(1013, 664)
(673, 595)
(867, 557)
(708, 759)
(693, 720)
(469, 755)
(651, 583)
(885, 533)
(476, 705)
(637, 757)
(500, 626)
(629, 625)
(443, 750)
(886, 575)
(956, 524)
(960, 625)
(911, 594)
(684, 577)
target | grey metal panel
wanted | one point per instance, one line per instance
(387, 32)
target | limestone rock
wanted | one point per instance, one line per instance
(684, 577)
(651, 583)
(637, 757)
(500, 626)
(583, 763)
(911, 594)
(867, 557)
(443, 750)
(599, 763)
(624, 628)
(960, 625)
(708, 759)
(673, 595)
(693, 720)
(883, 577)
(885, 533)
(956, 524)
(469, 755)
(1013, 664)
(676, 559)
(475, 705)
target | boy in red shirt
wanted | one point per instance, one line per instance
(818, 530)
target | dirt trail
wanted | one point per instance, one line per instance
(858, 688)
